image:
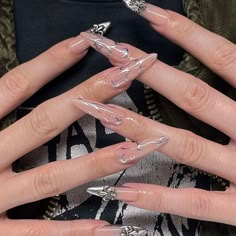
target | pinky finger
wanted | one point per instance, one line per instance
(66, 228)
(191, 203)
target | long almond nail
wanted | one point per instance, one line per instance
(114, 193)
(132, 152)
(78, 44)
(126, 74)
(112, 230)
(105, 113)
(107, 47)
(152, 13)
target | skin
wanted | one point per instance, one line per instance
(39, 126)
(199, 100)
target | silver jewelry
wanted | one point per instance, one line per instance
(137, 6)
(133, 231)
(100, 29)
(106, 193)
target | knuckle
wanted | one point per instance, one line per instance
(183, 30)
(16, 83)
(48, 181)
(89, 92)
(41, 122)
(224, 56)
(98, 169)
(56, 55)
(199, 204)
(195, 96)
(191, 150)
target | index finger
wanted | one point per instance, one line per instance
(218, 53)
(23, 81)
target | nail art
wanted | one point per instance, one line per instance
(106, 193)
(154, 14)
(100, 29)
(106, 113)
(137, 6)
(124, 75)
(114, 193)
(78, 44)
(132, 152)
(107, 47)
(121, 231)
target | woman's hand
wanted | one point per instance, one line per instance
(47, 121)
(193, 96)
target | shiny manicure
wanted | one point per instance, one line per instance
(132, 152)
(79, 45)
(126, 74)
(105, 113)
(107, 47)
(120, 231)
(152, 13)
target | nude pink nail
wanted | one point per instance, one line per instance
(132, 152)
(152, 13)
(107, 47)
(112, 230)
(79, 45)
(108, 114)
(131, 71)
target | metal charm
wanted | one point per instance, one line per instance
(100, 29)
(137, 6)
(133, 231)
(106, 193)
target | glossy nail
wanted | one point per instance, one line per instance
(126, 74)
(152, 13)
(105, 113)
(120, 231)
(132, 152)
(78, 44)
(114, 193)
(107, 47)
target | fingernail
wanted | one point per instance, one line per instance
(105, 113)
(132, 152)
(78, 44)
(120, 231)
(152, 13)
(114, 193)
(126, 74)
(107, 47)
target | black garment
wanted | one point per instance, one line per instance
(42, 23)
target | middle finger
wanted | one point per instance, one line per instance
(183, 146)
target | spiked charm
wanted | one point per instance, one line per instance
(133, 231)
(137, 6)
(106, 193)
(100, 29)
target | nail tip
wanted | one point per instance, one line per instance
(137, 6)
(107, 193)
(101, 28)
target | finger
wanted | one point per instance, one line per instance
(190, 203)
(218, 53)
(23, 81)
(58, 177)
(183, 146)
(53, 116)
(185, 90)
(51, 228)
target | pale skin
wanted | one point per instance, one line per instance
(46, 121)
(41, 125)
(198, 99)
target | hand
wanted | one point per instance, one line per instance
(47, 121)
(196, 98)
